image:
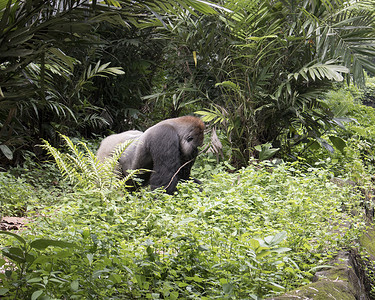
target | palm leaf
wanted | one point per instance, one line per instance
(320, 71)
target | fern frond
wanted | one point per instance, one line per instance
(78, 157)
(96, 168)
(60, 159)
(113, 162)
(122, 183)
(82, 168)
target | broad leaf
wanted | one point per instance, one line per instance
(41, 244)
(338, 142)
(6, 151)
(19, 238)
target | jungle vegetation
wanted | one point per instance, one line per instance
(287, 88)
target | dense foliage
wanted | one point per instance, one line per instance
(259, 231)
(255, 68)
(282, 81)
(55, 57)
(276, 61)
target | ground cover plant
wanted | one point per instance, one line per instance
(259, 231)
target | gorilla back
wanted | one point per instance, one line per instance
(168, 149)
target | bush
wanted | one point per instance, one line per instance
(253, 233)
(15, 195)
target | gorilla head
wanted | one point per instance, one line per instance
(168, 149)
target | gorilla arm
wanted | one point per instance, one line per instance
(185, 172)
(163, 144)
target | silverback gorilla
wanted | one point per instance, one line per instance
(168, 149)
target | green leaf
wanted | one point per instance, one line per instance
(325, 145)
(360, 130)
(13, 235)
(338, 142)
(228, 288)
(17, 53)
(281, 249)
(277, 287)
(182, 284)
(90, 258)
(263, 253)
(20, 39)
(276, 239)
(173, 295)
(315, 145)
(115, 278)
(34, 280)
(3, 291)
(229, 84)
(41, 244)
(74, 285)
(14, 253)
(69, 61)
(187, 220)
(115, 70)
(254, 244)
(36, 294)
(265, 151)
(255, 38)
(6, 151)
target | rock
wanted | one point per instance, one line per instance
(343, 282)
(12, 223)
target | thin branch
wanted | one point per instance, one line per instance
(179, 169)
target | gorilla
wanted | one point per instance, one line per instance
(168, 149)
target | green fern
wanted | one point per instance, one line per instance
(85, 171)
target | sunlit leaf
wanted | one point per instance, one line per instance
(6, 151)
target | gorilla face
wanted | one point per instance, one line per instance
(191, 141)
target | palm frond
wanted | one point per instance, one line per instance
(347, 36)
(320, 71)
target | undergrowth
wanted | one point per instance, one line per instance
(250, 234)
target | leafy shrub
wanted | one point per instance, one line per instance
(249, 234)
(355, 160)
(24, 254)
(15, 195)
(30, 186)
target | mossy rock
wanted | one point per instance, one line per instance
(368, 242)
(339, 282)
(321, 290)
